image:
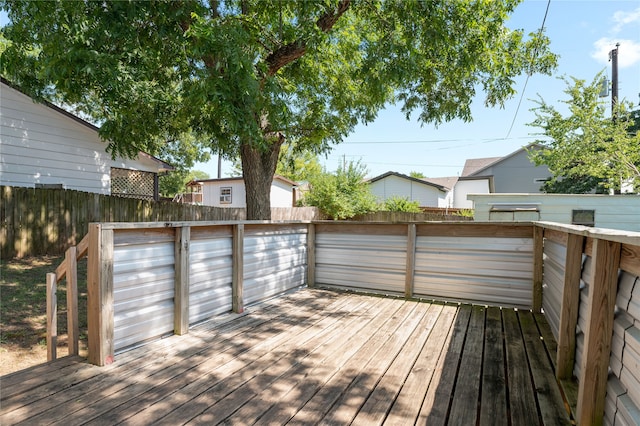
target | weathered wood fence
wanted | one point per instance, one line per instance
(47, 221)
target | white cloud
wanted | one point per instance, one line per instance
(624, 18)
(628, 52)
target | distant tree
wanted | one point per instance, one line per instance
(341, 195)
(401, 204)
(175, 182)
(586, 149)
(247, 76)
(417, 175)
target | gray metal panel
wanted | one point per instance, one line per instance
(210, 276)
(375, 263)
(477, 269)
(553, 283)
(143, 291)
(273, 263)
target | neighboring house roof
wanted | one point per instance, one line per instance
(447, 182)
(400, 175)
(162, 166)
(239, 179)
(475, 166)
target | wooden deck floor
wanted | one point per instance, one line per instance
(310, 357)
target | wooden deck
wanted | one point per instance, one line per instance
(313, 356)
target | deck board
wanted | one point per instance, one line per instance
(311, 357)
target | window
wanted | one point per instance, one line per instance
(225, 195)
(583, 217)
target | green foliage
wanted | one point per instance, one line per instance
(341, 195)
(245, 75)
(175, 182)
(417, 175)
(464, 213)
(585, 149)
(401, 204)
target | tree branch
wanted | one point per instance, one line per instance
(296, 49)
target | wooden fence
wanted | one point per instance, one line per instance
(36, 222)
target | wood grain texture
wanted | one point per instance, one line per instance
(310, 357)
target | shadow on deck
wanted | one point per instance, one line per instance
(313, 356)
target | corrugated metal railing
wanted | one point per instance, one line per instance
(150, 279)
(592, 302)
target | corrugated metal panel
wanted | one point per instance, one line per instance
(375, 263)
(143, 291)
(585, 281)
(553, 282)
(210, 276)
(273, 263)
(624, 361)
(614, 391)
(488, 270)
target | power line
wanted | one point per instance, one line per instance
(528, 74)
(487, 140)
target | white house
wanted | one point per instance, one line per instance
(41, 145)
(426, 193)
(230, 192)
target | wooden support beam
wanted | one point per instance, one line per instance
(237, 301)
(52, 316)
(181, 297)
(311, 255)
(538, 263)
(410, 261)
(597, 341)
(100, 295)
(565, 355)
(73, 329)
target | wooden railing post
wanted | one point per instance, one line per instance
(538, 255)
(181, 304)
(311, 255)
(73, 329)
(100, 295)
(237, 301)
(569, 308)
(410, 261)
(597, 336)
(52, 316)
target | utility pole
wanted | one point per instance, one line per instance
(613, 57)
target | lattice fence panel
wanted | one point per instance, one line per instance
(132, 183)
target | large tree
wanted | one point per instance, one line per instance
(584, 147)
(248, 75)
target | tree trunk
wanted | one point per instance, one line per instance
(258, 168)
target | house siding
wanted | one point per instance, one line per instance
(42, 146)
(281, 193)
(211, 193)
(394, 186)
(466, 187)
(611, 211)
(517, 174)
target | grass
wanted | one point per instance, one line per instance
(23, 320)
